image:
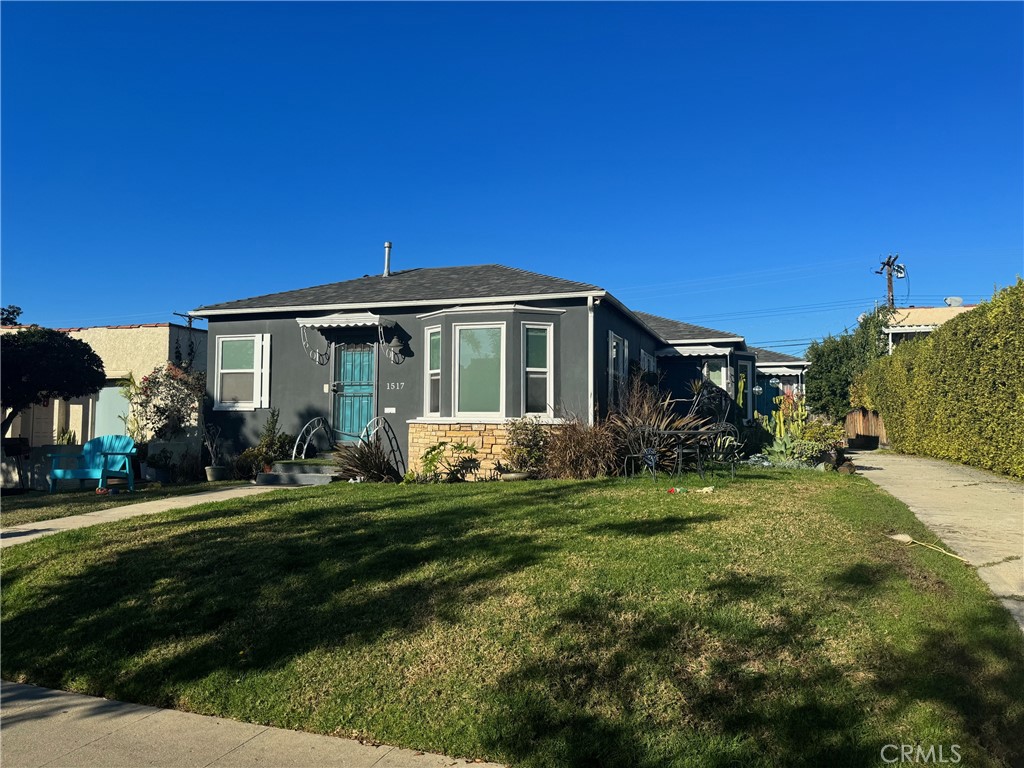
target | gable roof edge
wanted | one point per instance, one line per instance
(201, 312)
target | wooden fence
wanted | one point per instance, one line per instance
(861, 421)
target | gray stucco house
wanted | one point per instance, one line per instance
(446, 353)
(695, 352)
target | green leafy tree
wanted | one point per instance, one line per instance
(9, 315)
(41, 364)
(836, 362)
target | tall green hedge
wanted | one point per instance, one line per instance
(958, 393)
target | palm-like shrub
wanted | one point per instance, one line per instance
(367, 460)
(642, 417)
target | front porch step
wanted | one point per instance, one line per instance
(303, 468)
(296, 478)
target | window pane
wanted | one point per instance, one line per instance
(536, 347)
(536, 393)
(715, 370)
(480, 370)
(237, 354)
(435, 351)
(435, 394)
(236, 387)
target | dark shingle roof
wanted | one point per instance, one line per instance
(673, 330)
(425, 286)
(770, 356)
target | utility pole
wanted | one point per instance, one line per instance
(888, 267)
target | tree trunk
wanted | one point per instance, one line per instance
(8, 420)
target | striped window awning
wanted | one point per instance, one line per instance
(344, 320)
(696, 350)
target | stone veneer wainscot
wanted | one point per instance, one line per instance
(488, 439)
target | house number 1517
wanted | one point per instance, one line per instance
(395, 385)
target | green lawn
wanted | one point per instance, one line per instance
(541, 623)
(31, 507)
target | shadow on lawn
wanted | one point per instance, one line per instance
(649, 688)
(255, 591)
(712, 686)
(612, 678)
(657, 526)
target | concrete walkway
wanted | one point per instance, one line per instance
(18, 534)
(41, 727)
(979, 515)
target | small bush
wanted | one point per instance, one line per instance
(578, 451)
(274, 445)
(448, 462)
(527, 446)
(368, 460)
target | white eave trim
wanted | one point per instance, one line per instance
(489, 308)
(347, 320)
(201, 312)
(713, 340)
(910, 329)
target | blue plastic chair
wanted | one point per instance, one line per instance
(102, 458)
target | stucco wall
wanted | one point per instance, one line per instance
(297, 383)
(124, 350)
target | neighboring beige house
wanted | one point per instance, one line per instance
(911, 322)
(125, 350)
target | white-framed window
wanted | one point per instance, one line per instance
(538, 369)
(242, 378)
(744, 387)
(618, 366)
(479, 366)
(714, 371)
(432, 383)
(648, 363)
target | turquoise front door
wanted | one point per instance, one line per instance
(354, 386)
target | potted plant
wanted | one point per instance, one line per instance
(216, 470)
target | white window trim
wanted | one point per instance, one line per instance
(623, 371)
(648, 362)
(261, 373)
(427, 370)
(455, 371)
(549, 400)
(706, 371)
(746, 367)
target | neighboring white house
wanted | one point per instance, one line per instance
(125, 350)
(913, 322)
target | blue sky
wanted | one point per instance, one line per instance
(740, 166)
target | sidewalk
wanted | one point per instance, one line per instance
(979, 515)
(18, 534)
(57, 729)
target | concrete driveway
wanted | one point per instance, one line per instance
(979, 515)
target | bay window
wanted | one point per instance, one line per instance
(479, 369)
(432, 406)
(538, 381)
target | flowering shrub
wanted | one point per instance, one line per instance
(165, 403)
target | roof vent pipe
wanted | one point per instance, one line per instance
(387, 260)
